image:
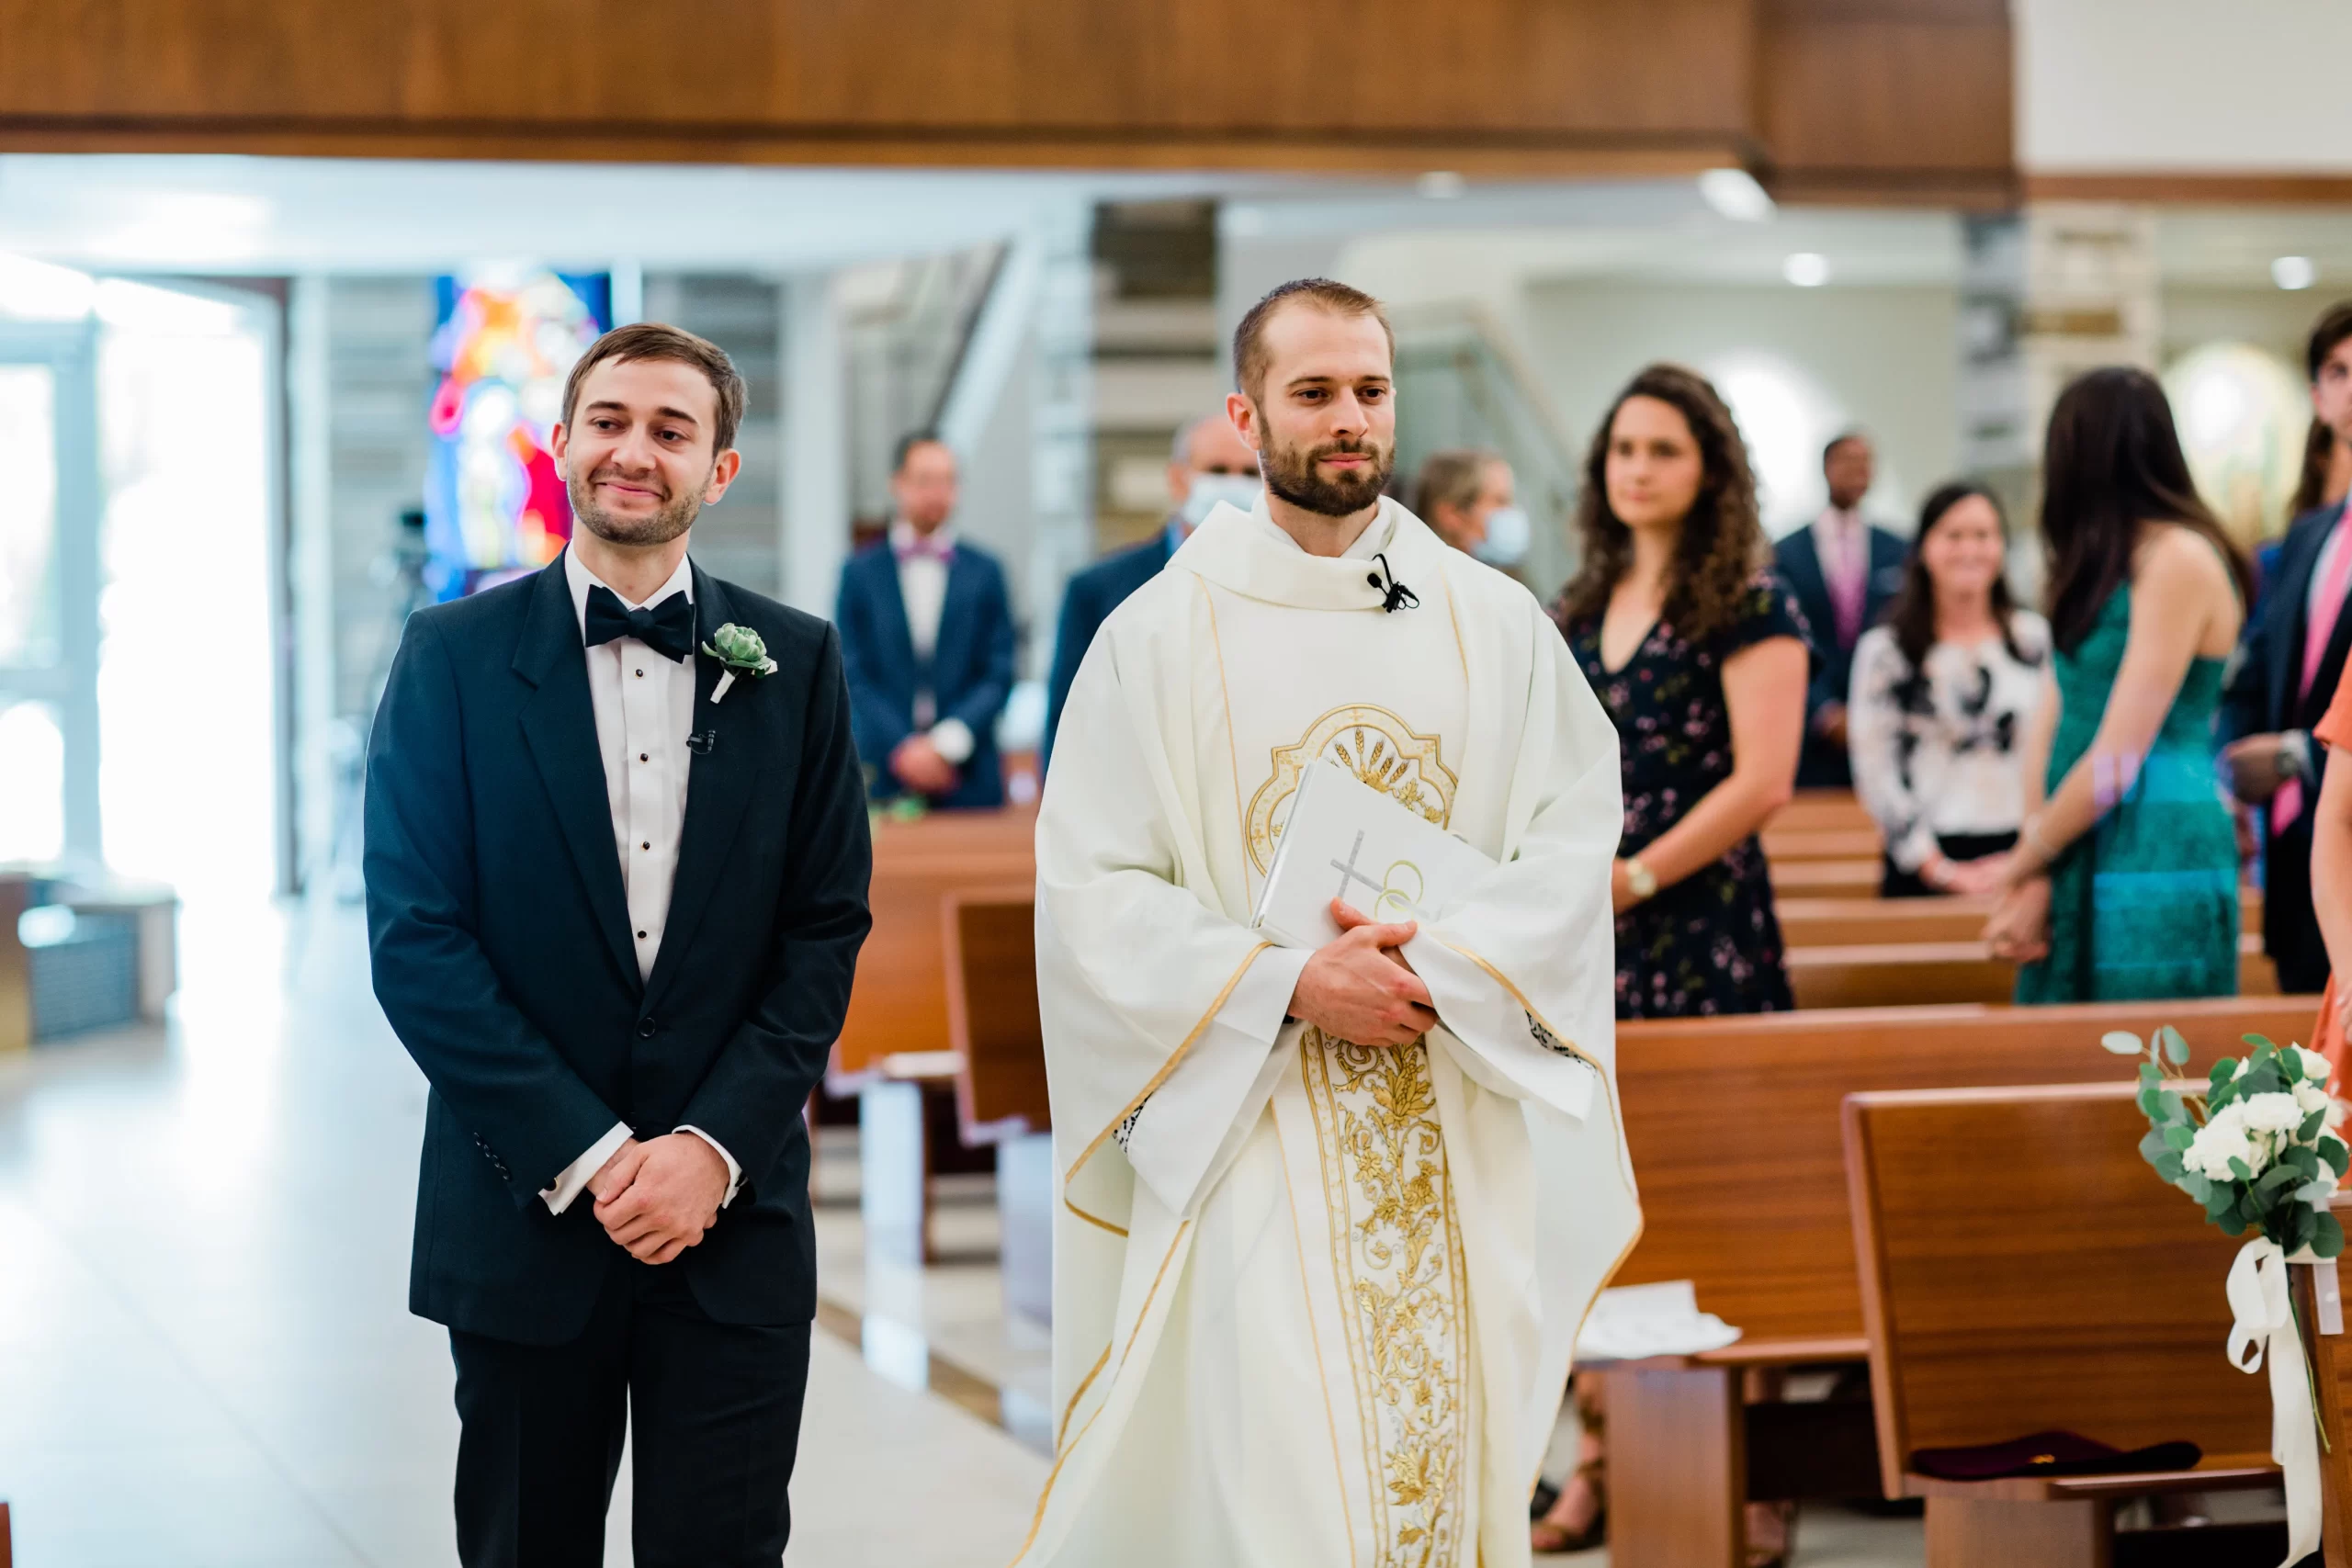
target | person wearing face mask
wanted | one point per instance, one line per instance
(1210, 464)
(1465, 494)
(1944, 694)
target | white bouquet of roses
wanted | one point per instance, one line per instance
(2250, 1141)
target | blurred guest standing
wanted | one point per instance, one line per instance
(2124, 883)
(1465, 495)
(1843, 572)
(2293, 655)
(1210, 463)
(1944, 691)
(927, 637)
(1699, 656)
(2332, 881)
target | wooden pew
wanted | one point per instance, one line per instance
(1856, 923)
(1905, 974)
(989, 935)
(1782, 844)
(1824, 809)
(894, 1052)
(1847, 878)
(1734, 1126)
(16, 967)
(2023, 1270)
(2331, 1380)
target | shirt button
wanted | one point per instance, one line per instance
(646, 846)
(643, 757)
(640, 936)
(641, 675)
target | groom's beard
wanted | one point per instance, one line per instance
(1290, 473)
(677, 514)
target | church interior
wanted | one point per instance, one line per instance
(267, 321)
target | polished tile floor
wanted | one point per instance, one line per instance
(204, 1354)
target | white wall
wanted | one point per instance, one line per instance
(1882, 358)
(2183, 85)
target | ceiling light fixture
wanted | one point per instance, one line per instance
(1733, 194)
(1806, 269)
(2294, 272)
(1441, 185)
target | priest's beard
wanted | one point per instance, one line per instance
(677, 514)
(1290, 473)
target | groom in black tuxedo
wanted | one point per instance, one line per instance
(616, 862)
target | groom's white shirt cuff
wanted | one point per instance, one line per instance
(574, 1180)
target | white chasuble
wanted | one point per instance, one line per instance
(1313, 1301)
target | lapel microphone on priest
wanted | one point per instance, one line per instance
(1395, 595)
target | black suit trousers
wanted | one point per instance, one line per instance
(716, 1409)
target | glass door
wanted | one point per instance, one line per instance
(48, 594)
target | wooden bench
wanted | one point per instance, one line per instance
(2023, 1270)
(894, 1052)
(1902, 973)
(1824, 809)
(1826, 878)
(1807, 921)
(16, 966)
(1784, 843)
(989, 934)
(1734, 1126)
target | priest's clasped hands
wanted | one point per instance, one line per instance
(1359, 988)
(657, 1198)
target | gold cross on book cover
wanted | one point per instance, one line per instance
(1347, 841)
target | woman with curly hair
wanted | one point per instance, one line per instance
(1698, 653)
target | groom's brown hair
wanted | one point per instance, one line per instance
(658, 340)
(1250, 355)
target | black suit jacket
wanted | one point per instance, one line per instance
(2263, 697)
(969, 674)
(1823, 765)
(503, 957)
(1087, 602)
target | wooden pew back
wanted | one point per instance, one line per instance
(899, 1001)
(1734, 1127)
(2023, 1270)
(1905, 974)
(990, 936)
(1823, 808)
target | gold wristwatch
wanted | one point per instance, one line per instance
(1638, 878)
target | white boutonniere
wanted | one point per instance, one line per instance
(739, 651)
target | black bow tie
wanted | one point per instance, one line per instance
(668, 628)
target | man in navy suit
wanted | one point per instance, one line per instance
(616, 889)
(927, 638)
(1210, 462)
(2290, 657)
(1843, 570)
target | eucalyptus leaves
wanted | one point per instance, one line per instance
(2250, 1142)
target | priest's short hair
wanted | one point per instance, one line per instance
(1249, 351)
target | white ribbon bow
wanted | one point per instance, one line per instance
(2265, 1328)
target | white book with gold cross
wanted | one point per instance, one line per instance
(1345, 840)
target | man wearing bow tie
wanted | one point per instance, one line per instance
(616, 891)
(927, 636)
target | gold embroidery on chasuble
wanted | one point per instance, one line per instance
(1371, 744)
(1397, 1258)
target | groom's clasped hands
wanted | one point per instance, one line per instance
(657, 1198)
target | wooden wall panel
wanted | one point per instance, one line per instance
(1887, 97)
(1585, 77)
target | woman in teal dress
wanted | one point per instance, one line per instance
(2124, 882)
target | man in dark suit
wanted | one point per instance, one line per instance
(1843, 570)
(927, 638)
(1210, 463)
(616, 884)
(2289, 659)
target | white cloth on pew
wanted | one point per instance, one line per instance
(1315, 1303)
(1660, 1319)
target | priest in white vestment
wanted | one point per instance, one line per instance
(1313, 1300)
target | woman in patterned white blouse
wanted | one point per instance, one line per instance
(1943, 690)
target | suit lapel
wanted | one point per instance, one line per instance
(2293, 589)
(894, 606)
(718, 786)
(1803, 569)
(560, 728)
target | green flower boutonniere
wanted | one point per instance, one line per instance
(739, 651)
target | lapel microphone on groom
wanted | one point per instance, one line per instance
(1394, 595)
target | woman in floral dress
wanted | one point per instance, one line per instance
(1698, 653)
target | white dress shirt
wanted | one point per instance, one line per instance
(644, 704)
(923, 588)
